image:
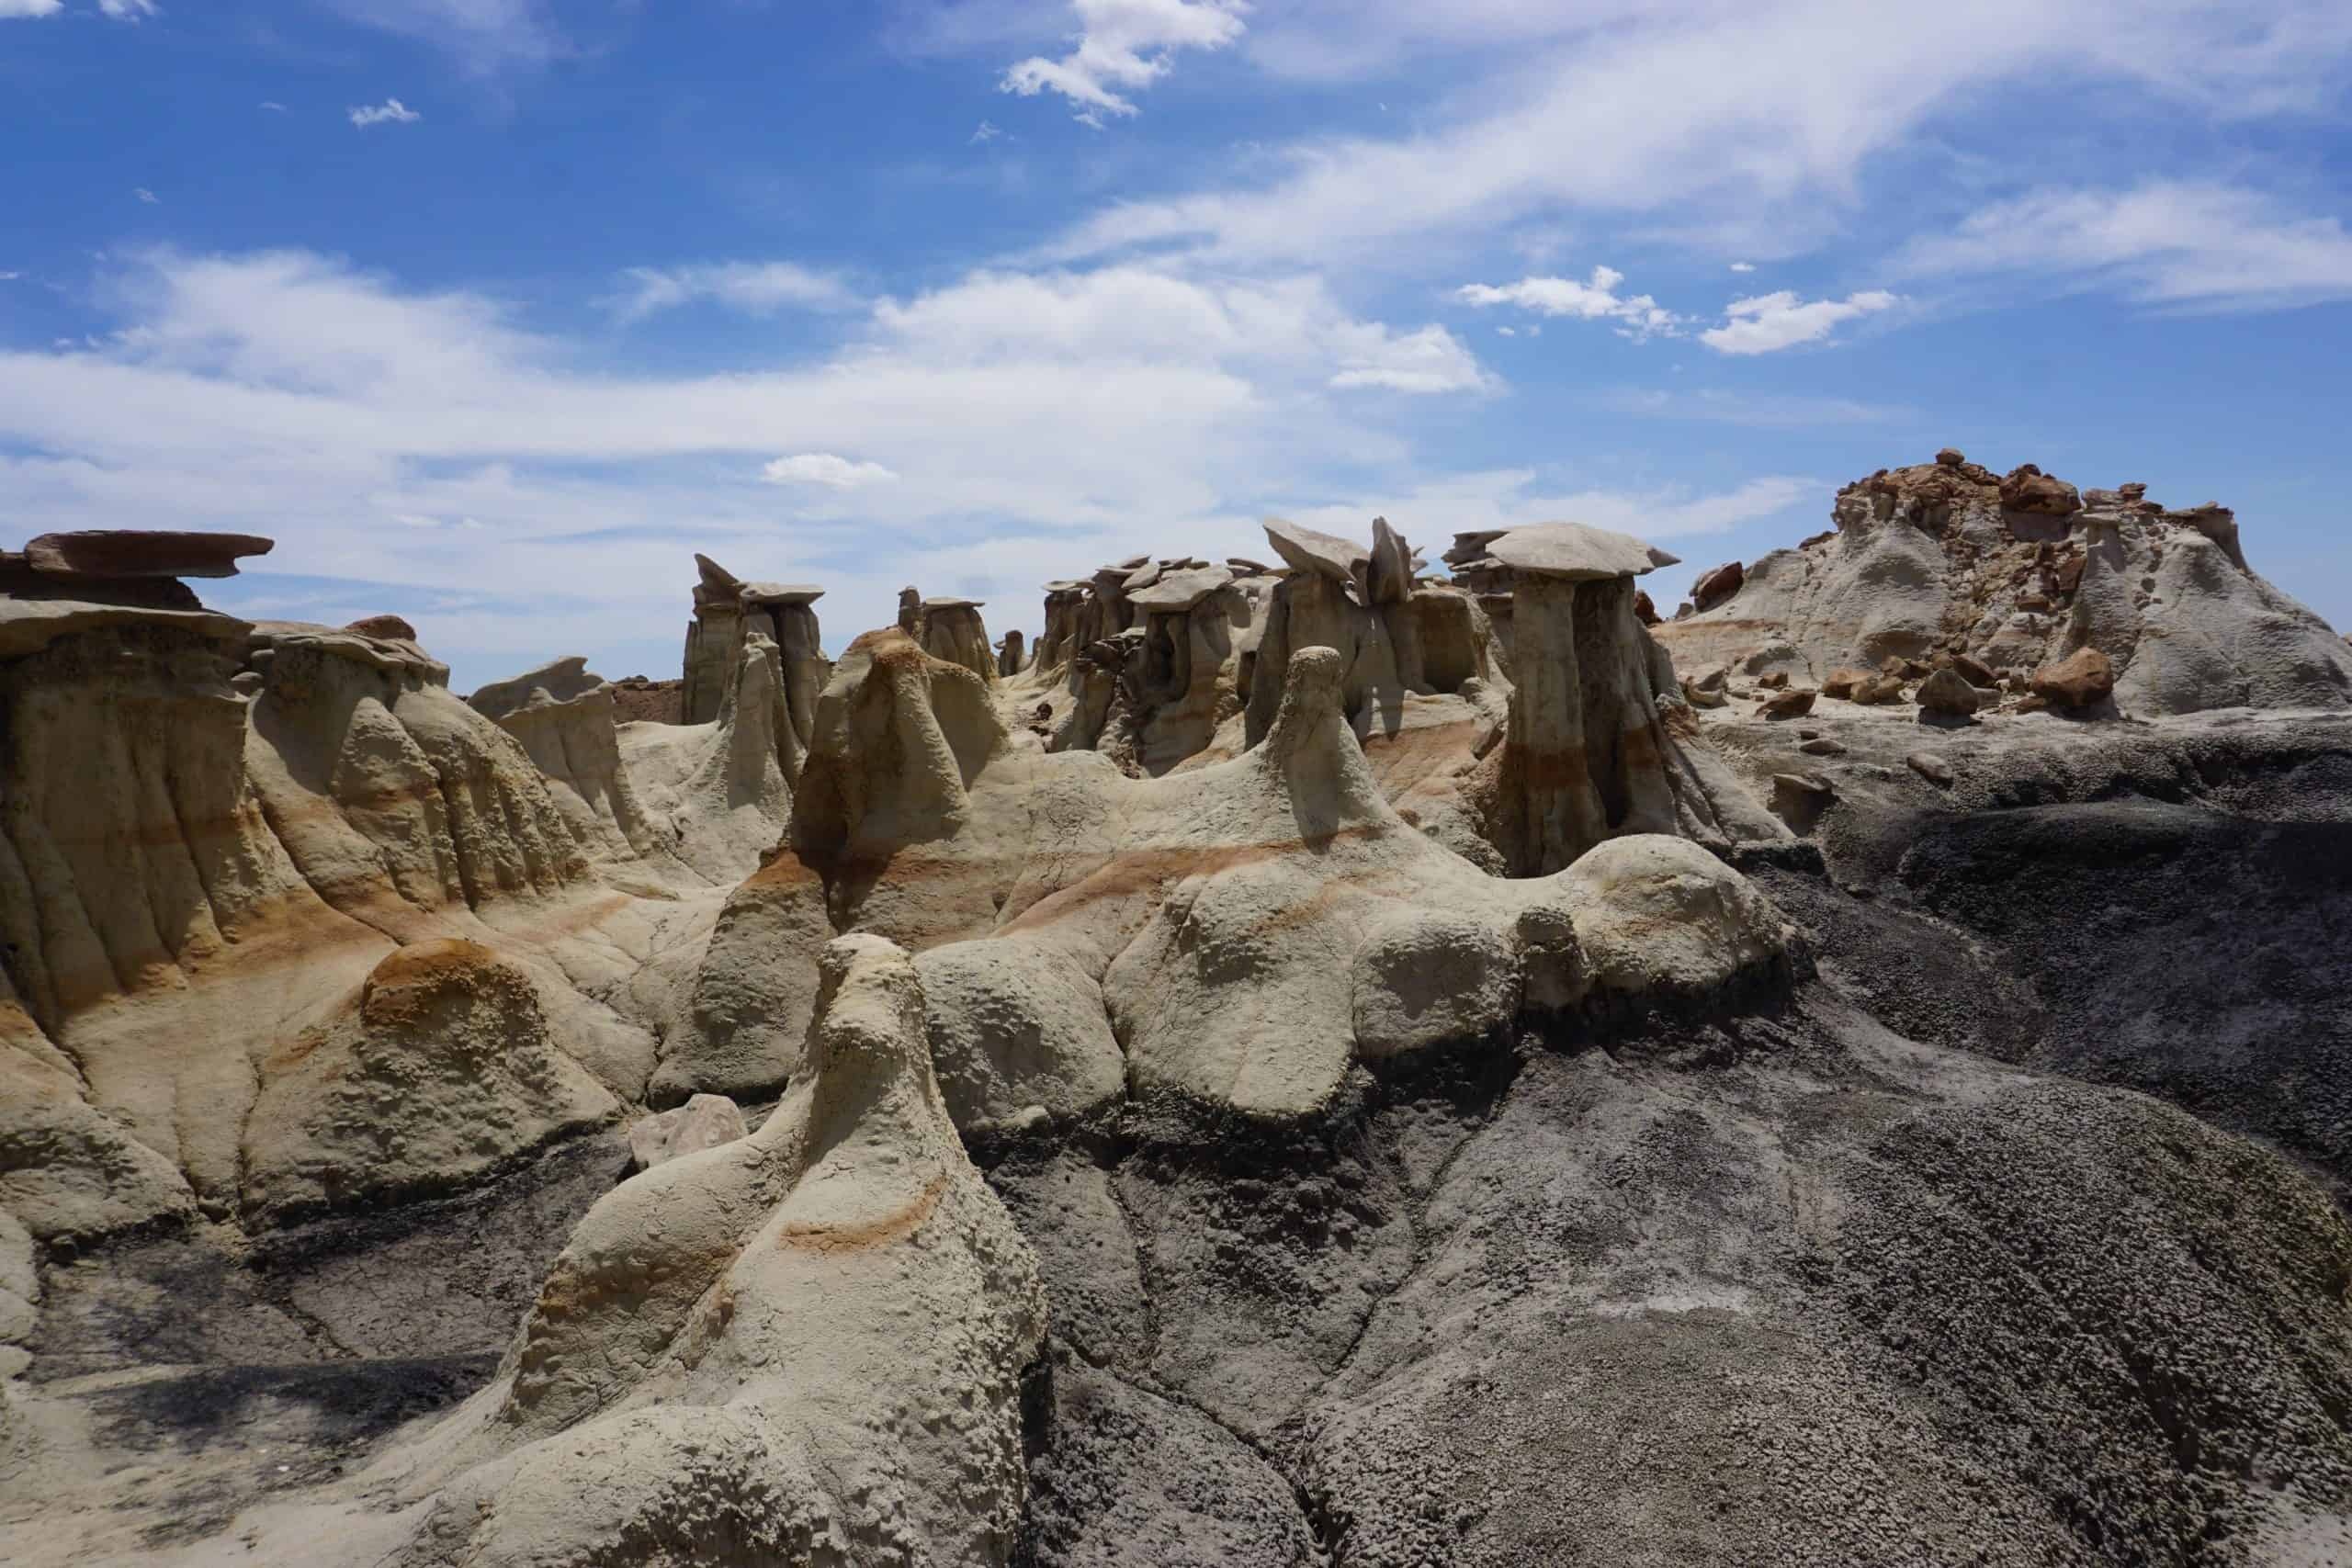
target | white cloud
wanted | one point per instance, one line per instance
(1638, 316)
(10, 277)
(2174, 243)
(758, 289)
(29, 9)
(1433, 511)
(1038, 424)
(1125, 44)
(391, 112)
(129, 10)
(483, 36)
(273, 105)
(1743, 267)
(1767, 411)
(827, 469)
(1428, 360)
(147, 196)
(985, 132)
(1750, 114)
(1768, 322)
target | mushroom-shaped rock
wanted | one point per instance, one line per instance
(777, 593)
(1343, 561)
(139, 552)
(1577, 552)
(1179, 590)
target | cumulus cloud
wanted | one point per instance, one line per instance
(29, 9)
(1032, 421)
(827, 469)
(391, 112)
(1768, 322)
(1125, 44)
(1430, 359)
(1638, 316)
(2176, 243)
(757, 289)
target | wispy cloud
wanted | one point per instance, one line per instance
(1767, 411)
(826, 468)
(1124, 46)
(484, 37)
(1743, 267)
(1512, 498)
(1637, 316)
(129, 10)
(985, 132)
(29, 9)
(757, 289)
(2177, 244)
(1768, 322)
(391, 112)
(273, 105)
(1743, 114)
(147, 196)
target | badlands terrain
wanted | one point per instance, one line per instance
(1329, 1059)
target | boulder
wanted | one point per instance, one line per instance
(1843, 682)
(1930, 767)
(1718, 585)
(1873, 691)
(2028, 490)
(1950, 458)
(2081, 678)
(703, 1123)
(388, 627)
(1947, 691)
(1795, 703)
(1975, 670)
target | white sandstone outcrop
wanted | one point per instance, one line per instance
(805, 1345)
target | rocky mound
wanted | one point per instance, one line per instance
(2039, 589)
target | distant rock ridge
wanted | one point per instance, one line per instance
(2016, 573)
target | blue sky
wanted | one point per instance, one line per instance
(491, 311)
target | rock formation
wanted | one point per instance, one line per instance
(728, 611)
(1312, 1063)
(1949, 560)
